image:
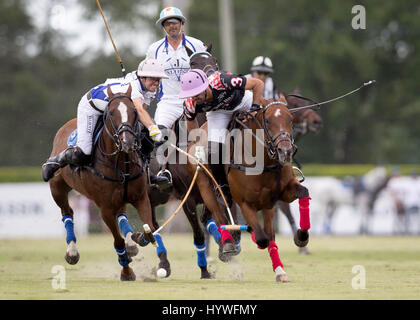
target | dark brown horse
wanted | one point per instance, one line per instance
(261, 191)
(181, 181)
(115, 178)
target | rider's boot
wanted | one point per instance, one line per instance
(71, 155)
(219, 173)
(163, 180)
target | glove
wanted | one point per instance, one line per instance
(155, 134)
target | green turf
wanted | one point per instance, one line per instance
(392, 266)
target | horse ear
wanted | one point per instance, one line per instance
(109, 92)
(128, 92)
(189, 51)
(283, 98)
(209, 47)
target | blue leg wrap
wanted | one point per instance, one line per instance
(69, 225)
(201, 255)
(160, 246)
(124, 224)
(123, 257)
(211, 227)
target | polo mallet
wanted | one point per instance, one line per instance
(110, 36)
(233, 226)
(293, 110)
(181, 204)
(148, 236)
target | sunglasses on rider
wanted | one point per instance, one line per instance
(154, 79)
(262, 73)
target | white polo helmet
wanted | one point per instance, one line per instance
(262, 64)
(151, 68)
(170, 12)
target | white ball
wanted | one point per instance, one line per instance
(161, 273)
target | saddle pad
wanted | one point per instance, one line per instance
(72, 140)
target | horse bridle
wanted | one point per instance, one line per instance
(123, 127)
(270, 144)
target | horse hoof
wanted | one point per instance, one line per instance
(132, 251)
(301, 238)
(205, 274)
(282, 278)
(164, 263)
(229, 247)
(226, 251)
(72, 259)
(127, 274)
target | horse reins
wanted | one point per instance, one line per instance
(123, 177)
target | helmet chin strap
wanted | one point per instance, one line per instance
(179, 33)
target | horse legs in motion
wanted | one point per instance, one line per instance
(59, 191)
(285, 208)
(117, 149)
(181, 182)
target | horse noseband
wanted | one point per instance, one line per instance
(123, 127)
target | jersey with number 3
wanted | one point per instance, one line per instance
(228, 91)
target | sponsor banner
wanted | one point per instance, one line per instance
(27, 210)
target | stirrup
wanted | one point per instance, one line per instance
(302, 177)
(166, 184)
(165, 173)
(48, 169)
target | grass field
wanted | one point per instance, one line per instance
(392, 266)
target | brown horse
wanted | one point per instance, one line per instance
(304, 121)
(261, 191)
(114, 179)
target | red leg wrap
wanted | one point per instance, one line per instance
(274, 255)
(225, 234)
(305, 222)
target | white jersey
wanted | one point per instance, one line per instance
(175, 62)
(100, 97)
(269, 88)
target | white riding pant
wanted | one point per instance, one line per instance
(217, 121)
(168, 111)
(87, 117)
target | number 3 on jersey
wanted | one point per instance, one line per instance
(236, 82)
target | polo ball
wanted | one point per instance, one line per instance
(161, 273)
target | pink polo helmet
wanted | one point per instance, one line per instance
(193, 83)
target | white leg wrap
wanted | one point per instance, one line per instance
(72, 249)
(279, 271)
